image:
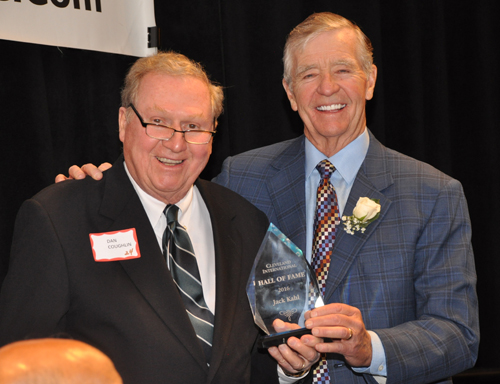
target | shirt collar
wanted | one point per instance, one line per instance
(154, 207)
(347, 161)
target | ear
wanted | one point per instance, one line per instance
(372, 79)
(290, 95)
(122, 122)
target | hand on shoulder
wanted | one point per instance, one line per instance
(78, 173)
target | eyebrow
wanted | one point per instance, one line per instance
(160, 110)
(301, 70)
(347, 62)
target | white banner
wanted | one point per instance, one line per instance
(115, 26)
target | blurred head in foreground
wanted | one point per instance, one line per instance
(43, 361)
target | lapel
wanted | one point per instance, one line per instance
(228, 272)
(371, 180)
(149, 273)
(286, 187)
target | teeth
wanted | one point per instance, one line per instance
(332, 107)
(168, 161)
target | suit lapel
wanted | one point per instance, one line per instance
(287, 192)
(149, 273)
(228, 272)
(370, 181)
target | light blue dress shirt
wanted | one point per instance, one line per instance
(347, 163)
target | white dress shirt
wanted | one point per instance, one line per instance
(195, 218)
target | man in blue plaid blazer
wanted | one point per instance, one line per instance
(403, 306)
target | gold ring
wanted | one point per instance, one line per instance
(350, 334)
(303, 365)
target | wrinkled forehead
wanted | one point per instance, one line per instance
(175, 92)
(339, 45)
(171, 83)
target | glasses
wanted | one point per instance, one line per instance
(162, 132)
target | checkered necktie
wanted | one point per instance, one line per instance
(186, 275)
(326, 220)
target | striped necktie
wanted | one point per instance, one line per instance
(186, 275)
(326, 220)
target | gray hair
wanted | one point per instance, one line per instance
(316, 24)
(174, 64)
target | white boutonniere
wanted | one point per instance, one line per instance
(366, 211)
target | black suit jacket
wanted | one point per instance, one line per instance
(131, 309)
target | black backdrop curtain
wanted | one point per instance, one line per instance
(436, 100)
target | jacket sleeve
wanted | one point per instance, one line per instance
(34, 296)
(444, 338)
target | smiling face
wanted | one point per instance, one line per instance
(167, 169)
(330, 89)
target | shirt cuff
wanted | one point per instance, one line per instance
(378, 366)
(284, 379)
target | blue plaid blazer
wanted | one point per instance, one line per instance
(411, 273)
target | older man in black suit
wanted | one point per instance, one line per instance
(109, 262)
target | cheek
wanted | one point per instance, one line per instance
(129, 137)
(359, 91)
(201, 156)
(302, 96)
(138, 147)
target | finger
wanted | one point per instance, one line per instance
(280, 326)
(334, 315)
(357, 352)
(275, 353)
(75, 172)
(344, 346)
(343, 332)
(292, 362)
(336, 333)
(311, 340)
(305, 348)
(92, 171)
(280, 359)
(334, 308)
(335, 346)
(60, 178)
(351, 333)
(335, 320)
(104, 167)
(307, 315)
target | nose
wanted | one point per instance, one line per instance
(328, 85)
(176, 142)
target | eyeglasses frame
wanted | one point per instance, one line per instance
(145, 125)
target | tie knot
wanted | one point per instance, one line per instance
(171, 212)
(325, 169)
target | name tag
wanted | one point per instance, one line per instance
(115, 246)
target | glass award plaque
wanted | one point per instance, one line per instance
(282, 285)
